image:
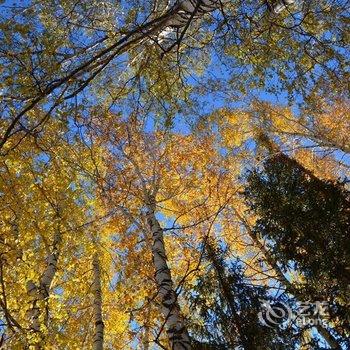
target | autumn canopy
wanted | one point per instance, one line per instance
(174, 174)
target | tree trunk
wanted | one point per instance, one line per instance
(174, 322)
(41, 292)
(94, 65)
(97, 305)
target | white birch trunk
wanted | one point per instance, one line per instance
(174, 322)
(97, 304)
(41, 291)
(282, 5)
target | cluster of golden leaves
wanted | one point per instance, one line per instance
(95, 192)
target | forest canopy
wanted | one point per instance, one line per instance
(174, 174)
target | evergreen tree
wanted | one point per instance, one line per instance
(305, 221)
(225, 307)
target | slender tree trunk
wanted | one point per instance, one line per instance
(41, 291)
(97, 305)
(328, 337)
(174, 322)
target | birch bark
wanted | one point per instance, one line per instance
(97, 304)
(96, 64)
(174, 322)
(41, 291)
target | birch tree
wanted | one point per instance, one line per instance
(97, 306)
(133, 49)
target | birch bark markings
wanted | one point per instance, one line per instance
(97, 304)
(41, 292)
(174, 322)
(179, 15)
